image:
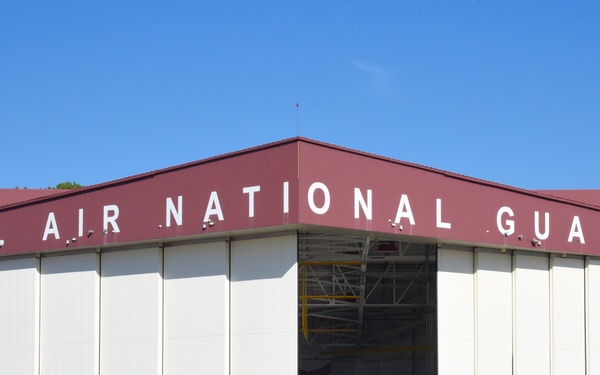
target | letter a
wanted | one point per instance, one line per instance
(404, 210)
(213, 207)
(576, 230)
(51, 227)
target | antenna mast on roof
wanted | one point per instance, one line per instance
(297, 119)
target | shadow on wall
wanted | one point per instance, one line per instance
(263, 258)
(196, 260)
(17, 264)
(62, 264)
(130, 262)
(255, 259)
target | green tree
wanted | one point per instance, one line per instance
(68, 185)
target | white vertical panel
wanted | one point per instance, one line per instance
(264, 306)
(532, 314)
(19, 316)
(70, 315)
(493, 274)
(593, 315)
(568, 316)
(131, 312)
(196, 321)
(456, 353)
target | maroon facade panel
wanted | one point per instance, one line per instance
(418, 201)
(206, 197)
(300, 181)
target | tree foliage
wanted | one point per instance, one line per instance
(68, 185)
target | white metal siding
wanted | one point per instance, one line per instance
(529, 313)
(455, 312)
(264, 306)
(493, 274)
(593, 315)
(70, 315)
(196, 320)
(568, 316)
(237, 312)
(131, 312)
(532, 314)
(19, 316)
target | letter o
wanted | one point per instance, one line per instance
(311, 198)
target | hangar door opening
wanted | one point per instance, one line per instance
(366, 305)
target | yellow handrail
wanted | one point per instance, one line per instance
(304, 306)
(305, 298)
(330, 297)
(332, 263)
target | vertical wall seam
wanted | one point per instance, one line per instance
(99, 322)
(297, 296)
(551, 312)
(586, 313)
(38, 339)
(229, 338)
(514, 311)
(437, 310)
(298, 162)
(161, 275)
(475, 313)
(512, 302)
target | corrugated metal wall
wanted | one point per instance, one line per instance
(226, 307)
(197, 309)
(517, 313)
(592, 298)
(189, 309)
(19, 316)
(264, 306)
(70, 314)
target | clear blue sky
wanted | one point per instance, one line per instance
(504, 91)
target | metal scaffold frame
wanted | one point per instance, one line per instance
(366, 294)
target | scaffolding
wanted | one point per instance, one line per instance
(365, 294)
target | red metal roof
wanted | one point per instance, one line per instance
(11, 196)
(591, 196)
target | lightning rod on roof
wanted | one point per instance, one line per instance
(297, 119)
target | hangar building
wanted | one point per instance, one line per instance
(299, 257)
